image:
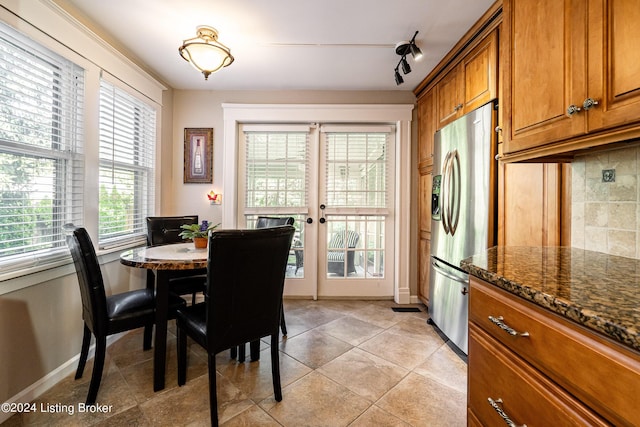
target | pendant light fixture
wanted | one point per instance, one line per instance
(205, 52)
(403, 49)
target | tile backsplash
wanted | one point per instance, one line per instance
(605, 209)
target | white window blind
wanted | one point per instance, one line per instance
(126, 181)
(357, 166)
(276, 166)
(41, 162)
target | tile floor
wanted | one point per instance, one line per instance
(344, 363)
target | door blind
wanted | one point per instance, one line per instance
(357, 167)
(276, 168)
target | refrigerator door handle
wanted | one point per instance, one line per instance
(456, 190)
(444, 196)
(448, 275)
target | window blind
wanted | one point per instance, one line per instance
(41, 160)
(126, 176)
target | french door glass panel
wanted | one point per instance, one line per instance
(339, 181)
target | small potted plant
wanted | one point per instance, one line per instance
(199, 233)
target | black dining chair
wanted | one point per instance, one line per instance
(243, 300)
(107, 315)
(162, 230)
(254, 347)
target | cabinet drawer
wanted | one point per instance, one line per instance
(518, 391)
(602, 374)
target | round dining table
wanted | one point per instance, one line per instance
(165, 261)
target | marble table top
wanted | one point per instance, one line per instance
(178, 256)
(596, 290)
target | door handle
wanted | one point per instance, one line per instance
(444, 193)
(456, 194)
(447, 274)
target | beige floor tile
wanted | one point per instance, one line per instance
(379, 315)
(254, 378)
(363, 373)
(446, 367)
(315, 400)
(314, 348)
(421, 401)
(349, 329)
(252, 417)
(376, 417)
(402, 350)
(131, 417)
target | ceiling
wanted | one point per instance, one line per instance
(285, 44)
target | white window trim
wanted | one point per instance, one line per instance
(398, 114)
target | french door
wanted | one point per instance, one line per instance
(335, 181)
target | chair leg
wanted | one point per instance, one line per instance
(213, 398)
(283, 324)
(148, 334)
(241, 352)
(84, 352)
(233, 352)
(275, 368)
(181, 342)
(193, 298)
(254, 350)
(98, 365)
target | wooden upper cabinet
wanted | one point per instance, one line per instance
(470, 84)
(614, 67)
(426, 129)
(569, 72)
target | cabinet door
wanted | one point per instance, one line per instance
(426, 128)
(545, 71)
(480, 74)
(424, 239)
(450, 96)
(614, 68)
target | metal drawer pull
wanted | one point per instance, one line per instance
(498, 321)
(505, 417)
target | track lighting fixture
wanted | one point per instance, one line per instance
(403, 49)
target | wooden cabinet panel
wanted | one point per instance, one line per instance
(480, 73)
(424, 260)
(471, 84)
(449, 95)
(518, 391)
(530, 207)
(426, 128)
(614, 72)
(594, 359)
(545, 70)
(424, 239)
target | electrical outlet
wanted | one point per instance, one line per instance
(608, 175)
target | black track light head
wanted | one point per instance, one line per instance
(415, 51)
(399, 79)
(405, 65)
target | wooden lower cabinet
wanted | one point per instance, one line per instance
(424, 235)
(559, 373)
(502, 386)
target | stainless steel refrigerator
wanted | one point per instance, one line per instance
(463, 206)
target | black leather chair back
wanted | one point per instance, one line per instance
(166, 229)
(94, 299)
(245, 280)
(271, 221)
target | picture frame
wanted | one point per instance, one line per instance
(198, 155)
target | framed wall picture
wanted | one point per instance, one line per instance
(198, 155)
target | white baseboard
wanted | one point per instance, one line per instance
(36, 389)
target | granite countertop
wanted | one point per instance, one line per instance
(596, 290)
